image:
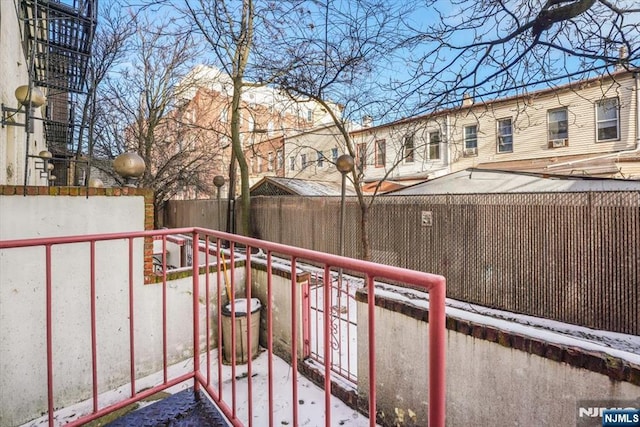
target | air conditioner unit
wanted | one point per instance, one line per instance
(555, 143)
(471, 151)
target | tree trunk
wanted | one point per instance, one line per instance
(364, 221)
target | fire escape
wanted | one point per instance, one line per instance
(57, 40)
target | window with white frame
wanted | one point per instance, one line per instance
(224, 115)
(320, 159)
(381, 152)
(505, 135)
(259, 164)
(269, 161)
(292, 163)
(309, 115)
(471, 140)
(558, 127)
(303, 160)
(409, 148)
(607, 120)
(434, 145)
(334, 154)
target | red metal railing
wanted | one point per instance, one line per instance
(212, 263)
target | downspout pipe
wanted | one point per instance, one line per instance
(636, 77)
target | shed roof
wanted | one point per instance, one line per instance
(278, 186)
(473, 181)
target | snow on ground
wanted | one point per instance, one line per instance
(311, 406)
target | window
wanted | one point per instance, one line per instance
(558, 124)
(279, 159)
(320, 159)
(270, 128)
(381, 151)
(409, 149)
(252, 123)
(292, 163)
(471, 140)
(270, 161)
(259, 164)
(434, 145)
(334, 154)
(303, 159)
(361, 156)
(607, 120)
(505, 136)
(253, 165)
(310, 115)
(224, 115)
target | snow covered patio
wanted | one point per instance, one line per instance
(311, 397)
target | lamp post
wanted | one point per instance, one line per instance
(218, 181)
(344, 164)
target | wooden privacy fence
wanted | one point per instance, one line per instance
(571, 257)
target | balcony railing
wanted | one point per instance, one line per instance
(114, 284)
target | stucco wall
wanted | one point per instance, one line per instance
(13, 139)
(489, 381)
(22, 298)
(281, 307)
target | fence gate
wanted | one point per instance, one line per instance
(343, 336)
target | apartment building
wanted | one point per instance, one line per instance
(585, 128)
(267, 115)
(47, 67)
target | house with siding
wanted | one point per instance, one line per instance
(587, 128)
(312, 154)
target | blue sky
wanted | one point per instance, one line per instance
(417, 93)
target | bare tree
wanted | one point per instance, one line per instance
(142, 110)
(109, 48)
(492, 48)
(340, 49)
(484, 48)
(240, 34)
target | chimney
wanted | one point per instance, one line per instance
(622, 58)
(467, 100)
(367, 121)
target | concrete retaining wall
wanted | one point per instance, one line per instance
(494, 377)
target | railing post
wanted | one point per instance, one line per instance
(49, 327)
(196, 307)
(371, 305)
(437, 355)
(306, 320)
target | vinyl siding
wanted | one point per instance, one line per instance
(530, 139)
(309, 143)
(529, 124)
